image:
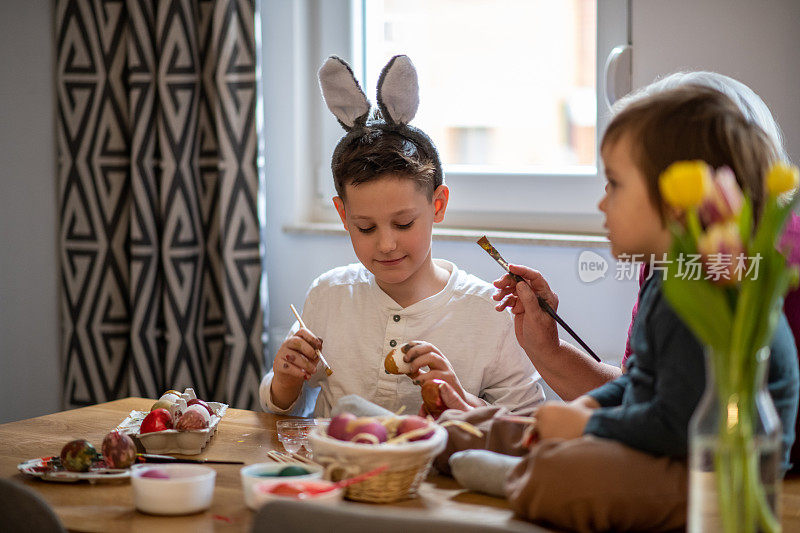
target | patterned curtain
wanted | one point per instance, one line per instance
(157, 188)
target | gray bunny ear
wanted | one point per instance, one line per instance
(342, 93)
(398, 91)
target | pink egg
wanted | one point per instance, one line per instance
(367, 426)
(413, 423)
(193, 419)
(338, 426)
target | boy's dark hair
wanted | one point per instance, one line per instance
(378, 152)
(688, 123)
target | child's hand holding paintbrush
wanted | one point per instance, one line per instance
(317, 350)
(295, 362)
(535, 291)
(535, 330)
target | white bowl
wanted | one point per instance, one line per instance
(188, 489)
(262, 495)
(255, 473)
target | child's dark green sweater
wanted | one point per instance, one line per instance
(649, 407)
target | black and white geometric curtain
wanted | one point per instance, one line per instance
(157, 188)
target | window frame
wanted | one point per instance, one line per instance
(547, 201)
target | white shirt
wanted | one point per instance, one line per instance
(360, 324)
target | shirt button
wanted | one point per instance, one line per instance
(392, 343)
(396, 318)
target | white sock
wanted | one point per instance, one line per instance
(482, 470)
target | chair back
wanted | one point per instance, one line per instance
(22, 510)
(289, 516)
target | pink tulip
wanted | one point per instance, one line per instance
(722, 253)
(724, 201)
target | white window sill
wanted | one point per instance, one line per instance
(471, 235)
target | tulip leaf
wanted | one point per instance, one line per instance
(746, 220)
(702, 307)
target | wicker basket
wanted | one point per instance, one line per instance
(408, 462)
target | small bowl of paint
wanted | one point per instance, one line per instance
(274, 473)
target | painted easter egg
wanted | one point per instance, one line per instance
(119, 450)
(78, 455)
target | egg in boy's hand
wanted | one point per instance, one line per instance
(395, 364)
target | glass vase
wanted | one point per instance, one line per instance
(735, 451)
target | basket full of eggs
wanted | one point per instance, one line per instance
(353, 445)
(350, 445)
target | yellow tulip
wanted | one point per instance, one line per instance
(782, 178)
(684, 184)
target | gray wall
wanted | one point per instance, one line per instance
(29, 356)
(752, 41)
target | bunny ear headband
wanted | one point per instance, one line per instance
(398, 100)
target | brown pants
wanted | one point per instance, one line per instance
(593, 484)
(584, 484)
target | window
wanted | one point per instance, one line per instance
(509, 94)
(514, 79)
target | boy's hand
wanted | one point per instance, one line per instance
(536, 331)
(420, 354)
(560, 420)
(451, 400)
(295, 362)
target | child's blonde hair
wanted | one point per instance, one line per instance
(693, 122)
(749, 103)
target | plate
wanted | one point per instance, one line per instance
(50, 469)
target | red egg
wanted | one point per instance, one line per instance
(156, 420)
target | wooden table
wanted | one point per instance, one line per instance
(242, 435)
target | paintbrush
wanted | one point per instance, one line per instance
(491, 250)
(328, 370)
(153, 458)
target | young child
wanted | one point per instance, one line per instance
(571, 373)
(615, 458)
(390, 191)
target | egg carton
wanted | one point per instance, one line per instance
(190, 442)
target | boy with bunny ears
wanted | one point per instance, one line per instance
(390, 191)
